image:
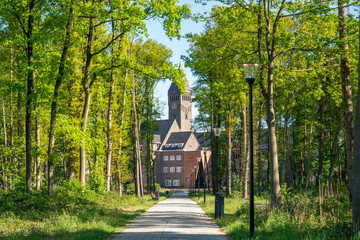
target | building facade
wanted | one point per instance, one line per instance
(179, 158)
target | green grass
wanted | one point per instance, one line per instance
(298, 218)
(71, 213)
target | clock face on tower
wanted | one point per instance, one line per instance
(173, 106)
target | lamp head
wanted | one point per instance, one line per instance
(217, 132)
(250, 71)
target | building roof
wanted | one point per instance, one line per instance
(200, 137)
(177, 140)
(163, 128)
(175, 90)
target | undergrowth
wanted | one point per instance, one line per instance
(298, 217)
(72, 212)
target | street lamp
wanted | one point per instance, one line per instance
(250, 70)
(195, 181)
(192, 173)
(204, 151)
(217, 132)
(199, 177)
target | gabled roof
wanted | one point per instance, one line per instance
(200, 137)
(163, 128)
(177, 140)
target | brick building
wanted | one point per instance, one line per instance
(177, 149)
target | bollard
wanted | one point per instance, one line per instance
(157, 193)
(219, 205)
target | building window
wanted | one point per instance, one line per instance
(167, 183)
(172, 157)
(188, 179)
(190, 146)
(172, 169)
(176, 182)
(178, 169)
(165, 158)
(165, 169)
(178, 157)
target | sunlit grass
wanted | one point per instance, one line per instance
(91, 216)
(297, 219)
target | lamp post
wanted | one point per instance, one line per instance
(189, 184)
(217, 132)
(204, 151)
(195, 181)
(191, 181)
(199, 177)
(250, 70)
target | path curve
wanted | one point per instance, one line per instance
(177, 217)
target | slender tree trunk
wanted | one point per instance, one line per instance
(356, 169)
(30, 92)
(11, 124)
(87, 90)
(64, 159)
(285, 141)
(308, 169)
(245, 153)
(5, 173)
(229, 155)
(333, 153)
(109, 130)
(137, 142)
(259, 152)
(346, 90)
(321, 141)
(120, 137)
(274, 162)
(37, 158)
(59, 78)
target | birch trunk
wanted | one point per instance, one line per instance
(246, 153)
(228, 163)
(37, 157)
(5, 163)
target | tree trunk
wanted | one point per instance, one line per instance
(285, 141)
(228, 163)
(346, 90)
(259, 151)
(87, 90)
(109, 130)
(120, 137)
(356, 169)
(321, 141)
(333, 153)
(37, 158)
(5, 173)
(274, 163)
(137, 142)
(245, 153)
(59, 78)
(308, 170)
(11, 124)
(30, 93)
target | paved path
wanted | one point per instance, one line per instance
(177, 217)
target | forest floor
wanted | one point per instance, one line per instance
(298, 218)
(70, 213)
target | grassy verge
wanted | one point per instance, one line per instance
(298, 218)
(71, 213)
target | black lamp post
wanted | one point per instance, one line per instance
(204, 151)
(250, 70)
(217, 132)
(199, 177)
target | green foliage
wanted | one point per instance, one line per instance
(298, 218)
(72, 212)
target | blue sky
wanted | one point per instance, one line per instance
(178, 47)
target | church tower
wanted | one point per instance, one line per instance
(180, 106)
